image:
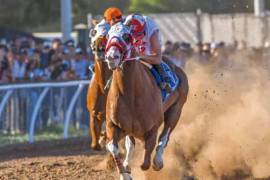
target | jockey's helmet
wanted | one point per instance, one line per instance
(112, 13)
(136, 23)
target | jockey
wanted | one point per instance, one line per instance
(147, 41)
(146, 36)
(113, 15)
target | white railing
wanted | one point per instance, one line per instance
(10, 88)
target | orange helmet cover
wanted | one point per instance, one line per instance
(112, 13)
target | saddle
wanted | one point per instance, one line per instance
(174, 80)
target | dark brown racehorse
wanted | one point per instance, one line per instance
(97, 94)
(134, 102)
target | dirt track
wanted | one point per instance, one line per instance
(63, 159)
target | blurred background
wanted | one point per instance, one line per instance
(45, 55)
(46, 66)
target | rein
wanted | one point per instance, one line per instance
(140, 60)
(109, 81)
(108, 84)
(148, 65)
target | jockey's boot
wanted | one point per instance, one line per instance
(165, 85)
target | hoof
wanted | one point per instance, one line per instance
(145, 166)
(125, 176)
(157, 164)
(96, 147)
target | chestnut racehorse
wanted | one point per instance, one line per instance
(97, 94)
(134, 103)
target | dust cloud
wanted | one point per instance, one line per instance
(224, 131)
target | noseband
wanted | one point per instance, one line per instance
(121, 45)
(98, 47)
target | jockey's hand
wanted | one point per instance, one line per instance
(142, 54)
(145, 57)
(137, 55)
(142, 57)
(151, 58)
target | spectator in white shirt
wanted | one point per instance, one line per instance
(19, 64)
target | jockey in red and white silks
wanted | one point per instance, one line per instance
(142, 29)
(147, 41)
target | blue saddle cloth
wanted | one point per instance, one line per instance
(174, 80)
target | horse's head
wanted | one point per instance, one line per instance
(119, 45)
(98, 37)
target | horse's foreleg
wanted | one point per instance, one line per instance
(150, 142)
(130, 146)
(114, 135)
(95, 129)
(171, 119)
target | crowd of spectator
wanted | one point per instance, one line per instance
(24, 59)
(219, 53)
(180, 53)
(27, 60)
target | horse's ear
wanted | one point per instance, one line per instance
(94, 22)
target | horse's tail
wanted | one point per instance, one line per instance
(184, 80)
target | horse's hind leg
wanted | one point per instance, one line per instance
(172, 116)
(114, 135)
(95, 128)
(130, 146)
(150, 142)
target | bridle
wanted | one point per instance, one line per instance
(98, 47)
(121, 45)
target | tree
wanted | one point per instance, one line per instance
(44, 15)
(211, 6)
(29, 14)
(96, 7)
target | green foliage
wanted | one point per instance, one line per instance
(44, 15)
(211, 6)
(267, 4)
(96, 7)
(29, 14)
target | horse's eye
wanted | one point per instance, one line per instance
(93, 32)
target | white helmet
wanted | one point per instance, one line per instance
(136, 23)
